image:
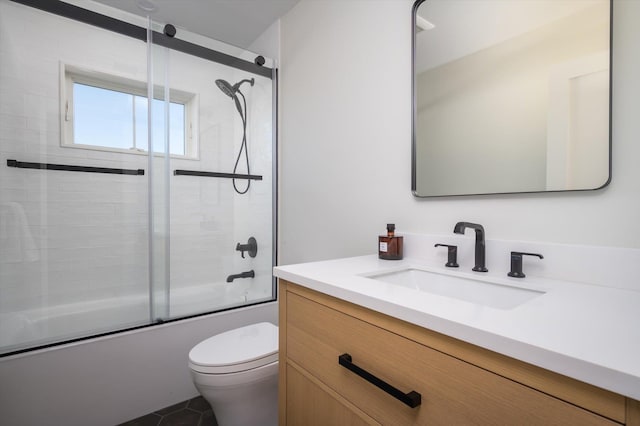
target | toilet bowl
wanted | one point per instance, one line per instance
(237, 373)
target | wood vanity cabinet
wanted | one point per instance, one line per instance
(459, 383)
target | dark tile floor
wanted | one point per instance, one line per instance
(194, 412)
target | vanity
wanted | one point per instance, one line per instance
(360, 343)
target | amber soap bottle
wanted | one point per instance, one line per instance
(390, 246)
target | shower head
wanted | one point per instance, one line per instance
(230, 91)
(226, 88)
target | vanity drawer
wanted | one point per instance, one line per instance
(453, 391)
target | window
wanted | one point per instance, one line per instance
(106, 112)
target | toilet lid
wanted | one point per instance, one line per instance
(236, 350)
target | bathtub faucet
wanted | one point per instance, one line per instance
(248, 274)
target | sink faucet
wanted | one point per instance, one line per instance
(480, 252)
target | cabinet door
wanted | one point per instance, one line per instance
(310, 405)
(453, 391)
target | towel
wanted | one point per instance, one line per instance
(16, 241)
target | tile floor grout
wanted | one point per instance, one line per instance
(193, 412)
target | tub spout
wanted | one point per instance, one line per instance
(248, 274)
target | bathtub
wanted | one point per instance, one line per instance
(42, 326)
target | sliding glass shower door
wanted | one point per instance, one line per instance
(221, 190)
(134, 190)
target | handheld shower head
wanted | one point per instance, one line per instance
(230, 90)
(226, 88)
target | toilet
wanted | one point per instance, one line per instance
(237, 373)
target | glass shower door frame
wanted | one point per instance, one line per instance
(159, 217)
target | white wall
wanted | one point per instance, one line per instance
(346, 132)
(268, 43)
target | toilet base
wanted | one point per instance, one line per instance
(254, 403)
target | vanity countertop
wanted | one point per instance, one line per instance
(588, 332)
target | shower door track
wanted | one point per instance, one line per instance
(96, 19)
(127, 330)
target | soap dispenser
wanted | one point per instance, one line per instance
(390, 246)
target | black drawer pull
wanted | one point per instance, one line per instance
(412, 399)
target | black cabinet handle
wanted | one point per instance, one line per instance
(412, 399)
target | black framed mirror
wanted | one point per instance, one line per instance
(511, 96)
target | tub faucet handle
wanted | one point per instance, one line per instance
(251, 247)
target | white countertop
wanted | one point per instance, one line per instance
(588, 332)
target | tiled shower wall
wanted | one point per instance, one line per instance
(69, 237)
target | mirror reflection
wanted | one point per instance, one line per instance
(511, 96)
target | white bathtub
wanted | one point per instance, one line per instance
(41, 326)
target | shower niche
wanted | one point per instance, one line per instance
(132, 163)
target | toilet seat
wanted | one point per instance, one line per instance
(242, 349)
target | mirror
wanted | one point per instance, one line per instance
(511, 96)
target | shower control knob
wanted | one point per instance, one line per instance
(251, 247)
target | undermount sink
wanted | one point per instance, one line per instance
(484, 293)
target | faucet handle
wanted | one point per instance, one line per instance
(516, 263)
(452, 255)
(251, 247)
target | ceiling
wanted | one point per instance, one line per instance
(236, 22)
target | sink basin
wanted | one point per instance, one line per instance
(484, 293)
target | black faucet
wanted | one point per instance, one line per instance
(480, 251)
(248, 274)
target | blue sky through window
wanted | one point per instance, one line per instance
(113, 119)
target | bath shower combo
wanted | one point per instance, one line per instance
(151, 246)
(97, 238)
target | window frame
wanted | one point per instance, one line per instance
(70, 74)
